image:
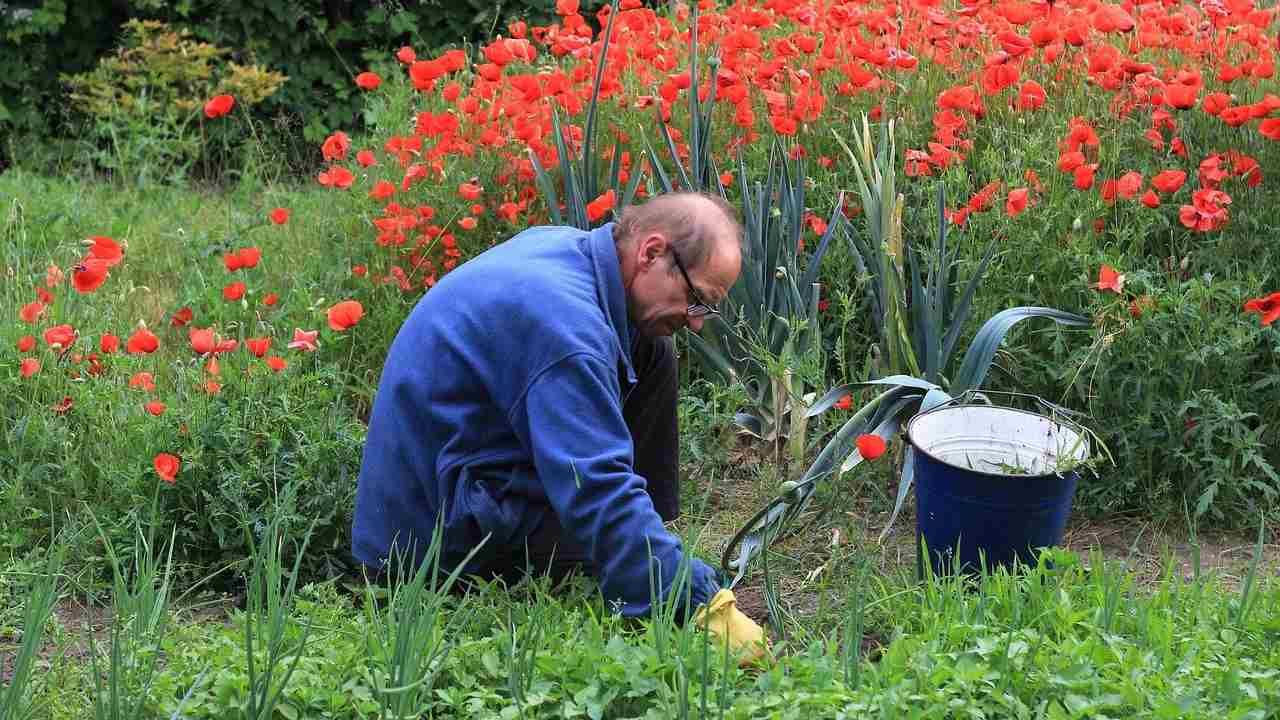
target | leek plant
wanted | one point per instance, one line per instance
(140, 604)
(409, 640)
(580, 179)
(15, 698)
(919, 320)
(768, 326)
(272, 651)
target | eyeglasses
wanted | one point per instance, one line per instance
(697, 308)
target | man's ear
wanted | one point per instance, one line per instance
(652, 246)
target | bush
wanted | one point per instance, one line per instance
(321, 45)
(143, 106)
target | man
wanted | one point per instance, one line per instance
(529, 401)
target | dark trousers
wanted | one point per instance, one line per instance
(649, 408)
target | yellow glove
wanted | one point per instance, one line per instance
(722, 618)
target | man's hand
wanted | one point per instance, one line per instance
(722, 618)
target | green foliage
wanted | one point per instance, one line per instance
(143, 105)
(238, 447)
(919, 322)
(16, 702)
(769, 324)
(139, 621)
(320, 45)
(1069, 635)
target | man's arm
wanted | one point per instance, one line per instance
(571, 421)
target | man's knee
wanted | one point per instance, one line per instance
(655, 359)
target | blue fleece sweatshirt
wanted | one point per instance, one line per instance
(500, 401)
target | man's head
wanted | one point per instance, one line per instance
(655, 241)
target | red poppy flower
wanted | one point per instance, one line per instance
(108, 343)
(29, 367)
(1084, 176)
(211, 388)
(220, 105)
(406, 55)
(89, 274)
(844, 403)
(234, 291)
(344, 315)
(26, 343)
(181, 317)
(212, 367)
(1016, 202)
(280, 216)
(276, 363)
(1268, 307)
(382, 190)
(467, 223)
(167, 467)
(270, 299)
(1182, 96)
(1169, 181)
(598, 207)
(258, 346)
(202, 340)
(870, 447)
(249, 257)
(155, 407)
(1206, 212)
(1109, 279)
(231, 261)
(366, 158)
(31, 312)
(337, 176)
(335, 146)
(142, 380)
(368, 81)
(63, 406)
(470, 191)
(60, 337)
(1129, 185)
(304, 340)
(1270, 128)
(105, 249)
(1031, 96)
(142, 341)
(359, 270)
(1151, 199)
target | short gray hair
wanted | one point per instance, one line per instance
(678, 218)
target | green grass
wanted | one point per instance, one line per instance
(1074, 639)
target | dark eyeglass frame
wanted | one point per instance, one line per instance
(699, 308)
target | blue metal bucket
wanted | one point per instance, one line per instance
(993, 484)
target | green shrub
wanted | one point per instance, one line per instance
(321, 45)
(143, 105)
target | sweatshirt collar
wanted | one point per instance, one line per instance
(609, 291)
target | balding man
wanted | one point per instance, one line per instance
(530, 398)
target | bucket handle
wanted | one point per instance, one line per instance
(974, 396)
(1055, 412)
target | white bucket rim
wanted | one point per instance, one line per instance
(1087, 449)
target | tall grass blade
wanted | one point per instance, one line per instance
(15, 700)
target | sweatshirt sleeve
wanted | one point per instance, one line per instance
(571, 421)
